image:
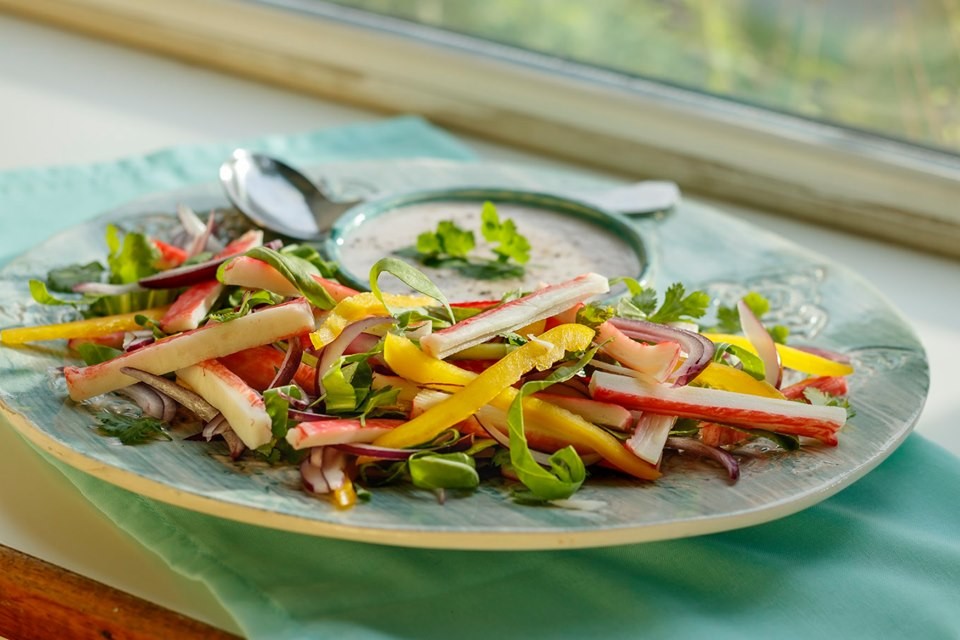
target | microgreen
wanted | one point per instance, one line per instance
(132, 429)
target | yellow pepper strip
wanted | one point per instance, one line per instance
(792, 358)
(408, 361)
(720, 376)
(90, 328)
(357, 307)
(345, 496)
(540, 353)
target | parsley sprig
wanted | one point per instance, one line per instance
(450, 246)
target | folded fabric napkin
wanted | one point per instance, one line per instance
(880, 559)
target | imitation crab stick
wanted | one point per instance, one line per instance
(413, 364)
(184, 349)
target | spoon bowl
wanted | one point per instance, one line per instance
(279, 198)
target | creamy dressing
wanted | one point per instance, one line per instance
(562, 247)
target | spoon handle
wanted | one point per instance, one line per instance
(639, 198)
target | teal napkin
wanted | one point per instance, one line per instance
(880, 559)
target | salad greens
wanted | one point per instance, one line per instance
(342, 382)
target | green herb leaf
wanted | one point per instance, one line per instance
(64, 279)
(132, 429)
(429, 470)
(93, 353)
(410, 276)
(132, 259)
(750, 362)
(325, 268)
(40, 294)
(510, 244)
(818, 397)
(678, 306)
(298, 272)
(567, 471)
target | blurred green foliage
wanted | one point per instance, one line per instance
(887, 66)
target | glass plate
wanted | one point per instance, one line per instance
(821, 301)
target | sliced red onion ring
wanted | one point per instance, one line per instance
(146, 397)
(203, 409)
(214, 427)
(199, 243)
(694, 446)
(336, 348)
(763, 342)
(291, 362)
(698, 348)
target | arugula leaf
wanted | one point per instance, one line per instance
(298, 271)
(40, 294)
(410, 276)
(567, 472)
(132, 429)
(93, 353)
(241, 302)
(750, 362)
(64, 279)
(430, 470)
(325, 268)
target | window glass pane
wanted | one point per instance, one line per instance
(887, 66)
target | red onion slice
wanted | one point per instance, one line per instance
(335, 349)
(698, 348)
(203, 409)
(763, 342)
(291, 362)
(147, 398)
(691, 445)
(214, 427)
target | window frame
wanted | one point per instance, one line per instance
(629, 127)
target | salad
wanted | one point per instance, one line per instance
(258, 348)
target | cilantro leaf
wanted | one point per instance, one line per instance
(818, 397)
(449, 239)
(680, 306)
(132, 429)
(510, 244)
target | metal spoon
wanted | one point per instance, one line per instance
(279, 198)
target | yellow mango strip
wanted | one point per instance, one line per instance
(540, 353)
(408, 361)
(720, 376)
(792, 358)
(89, 328)
(358, 307)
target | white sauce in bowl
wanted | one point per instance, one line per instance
(562, 246)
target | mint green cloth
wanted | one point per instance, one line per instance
(879, 560)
